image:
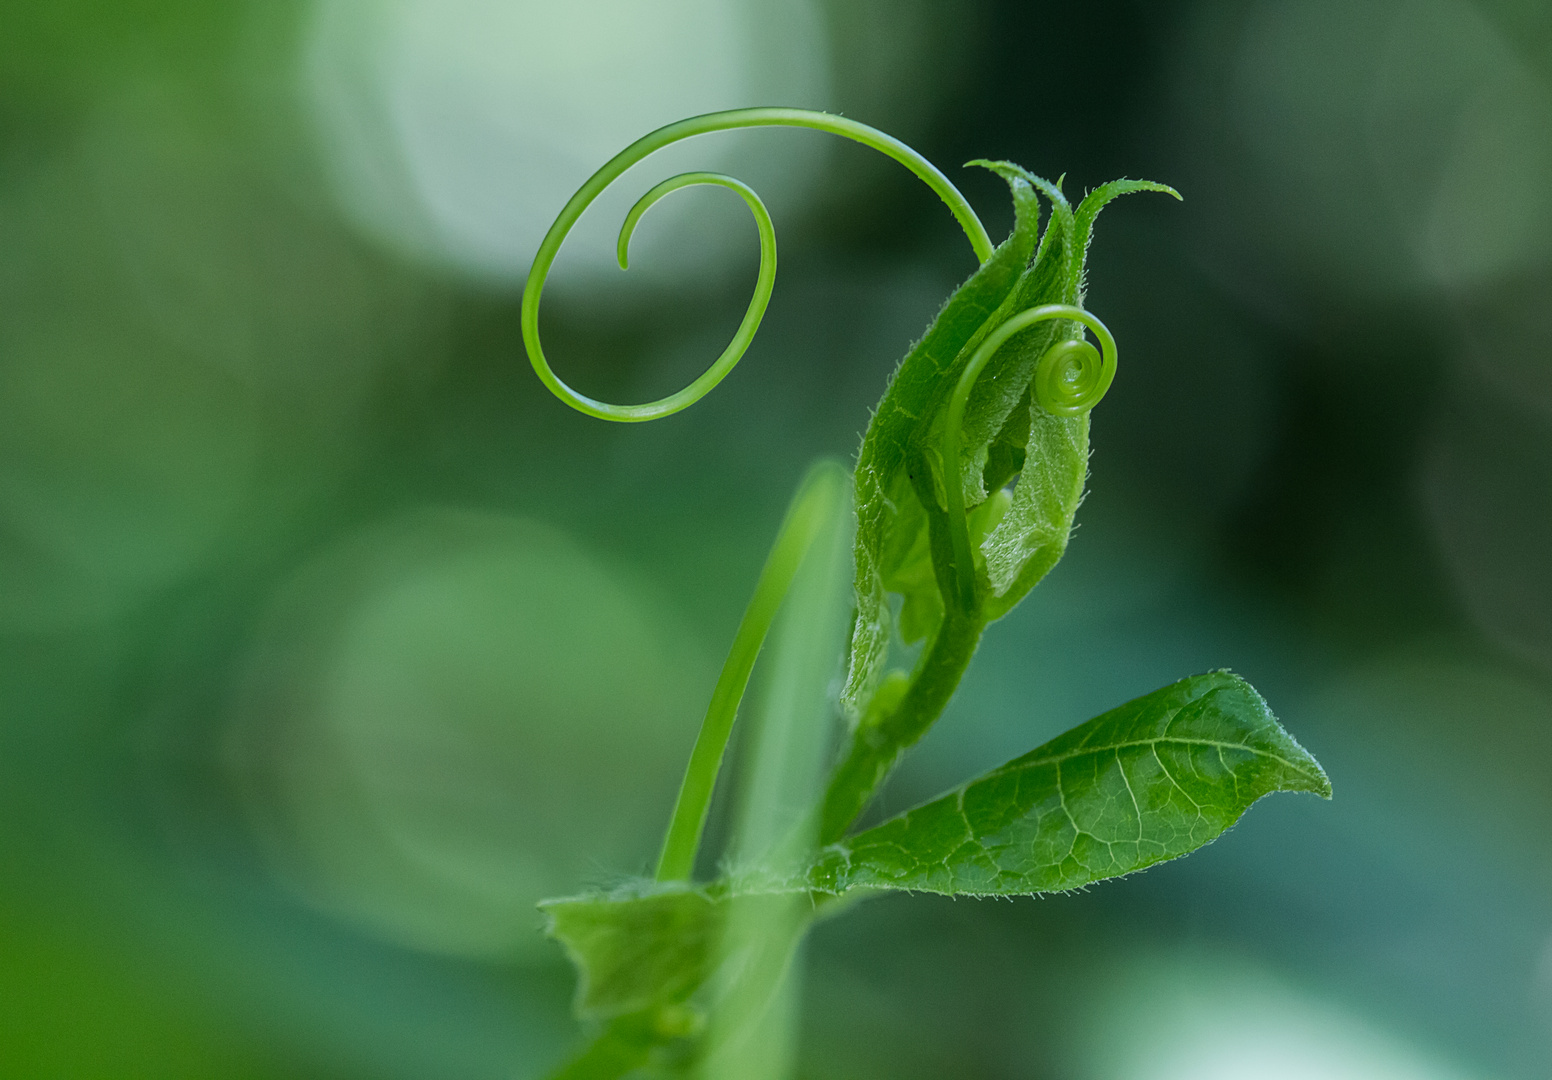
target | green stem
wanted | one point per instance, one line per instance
(876, 748)
(822, 495)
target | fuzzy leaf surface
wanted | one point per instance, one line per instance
(1032, 535)
(1151, 780)
(1053, 276)
(916, 390)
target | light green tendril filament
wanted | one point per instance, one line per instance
(1070, 378)
(730, 120)
(823, 495)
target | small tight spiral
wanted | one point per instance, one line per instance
(1070, 378)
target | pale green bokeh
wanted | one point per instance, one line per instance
(1209, 1015)
(183, 359)
(456, 130)
(123, 454)
(456, 715)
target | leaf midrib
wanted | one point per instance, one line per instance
(1153, 744)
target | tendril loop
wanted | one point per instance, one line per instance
(1070, 378)
(730, 120)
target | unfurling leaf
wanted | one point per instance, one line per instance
(1032, 534)
(1005, 435)
(915, 393)
(1149, 781)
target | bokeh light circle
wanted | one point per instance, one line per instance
(455, 129)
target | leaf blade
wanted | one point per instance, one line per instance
(1149, 781)
(635, 949)
(1100, 197)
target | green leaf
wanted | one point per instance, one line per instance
(905, 567)
(654, 961)
(625, 1044)
(652, 946)
(638, 948)
(1053, 277)
(1032, 535)
(1149, 781)
(641, 952)
(1096, 200)
(915, 395)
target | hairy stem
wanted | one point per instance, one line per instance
(877, 747)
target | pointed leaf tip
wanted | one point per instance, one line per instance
(1150, 781)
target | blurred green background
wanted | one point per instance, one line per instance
(329, 642)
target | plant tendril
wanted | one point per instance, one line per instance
(1070, 378)
(821, 498)
(730, 120)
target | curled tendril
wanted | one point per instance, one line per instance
(665, 136)
(1070, 378)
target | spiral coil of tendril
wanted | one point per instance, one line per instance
(1070, 377)
(665, 136)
